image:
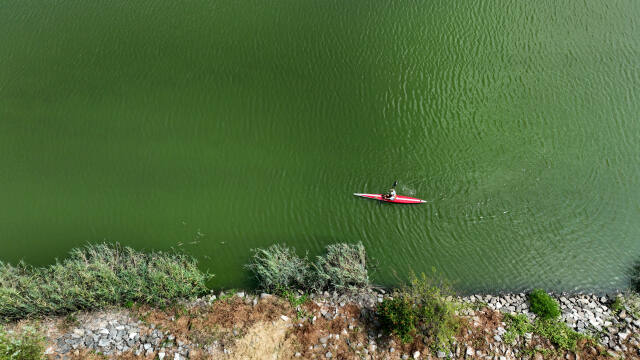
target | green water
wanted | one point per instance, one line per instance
(221, 126)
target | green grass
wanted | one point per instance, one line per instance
(516, 326)
(555, 330)
(97, 276)
(293, 299)
(543, 305)
(25, 345)
(559, 333)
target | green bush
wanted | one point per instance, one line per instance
(26, 345)
(543, 305)
(342, 267)
(97, 276)
(398, 317)
(278, 268)
(422, 306)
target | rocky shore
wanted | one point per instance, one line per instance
(250, 326)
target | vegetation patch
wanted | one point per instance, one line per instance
(278, 268)
(28, 344)
(516, 325)
(630, 302)
(343, 267)
(398, 316)
(97, 276)
(422, 310)
(543, 305)
(559, 333)
(634, 277)
(556, 331)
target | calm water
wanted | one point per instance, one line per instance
(221, 126)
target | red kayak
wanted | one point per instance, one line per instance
(399, 199)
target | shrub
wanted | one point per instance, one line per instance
(278, 268)
(398, 317)
(422, 305)
(342, 267)
(96, 276)
(26, 345)
(543, 305)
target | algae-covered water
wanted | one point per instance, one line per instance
(221, 126)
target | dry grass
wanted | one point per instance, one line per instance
(264, 340)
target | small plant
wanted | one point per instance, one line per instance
(26, 345)
(543, 305)
(617, 305)
(293, 299)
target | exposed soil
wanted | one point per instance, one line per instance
(236, 328)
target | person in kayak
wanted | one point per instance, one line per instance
(391, 195)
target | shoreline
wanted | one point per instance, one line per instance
(115, 302)
(154, 333)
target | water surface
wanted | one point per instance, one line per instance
(221, 126)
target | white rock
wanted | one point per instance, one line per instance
(284, 318)
(103, 342)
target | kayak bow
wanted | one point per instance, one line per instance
(399, 199)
